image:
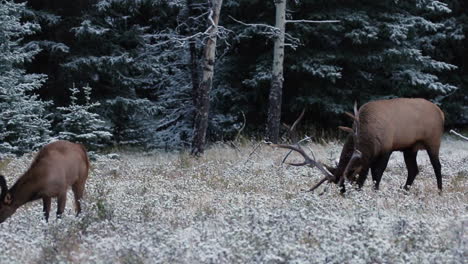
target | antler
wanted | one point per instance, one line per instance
(298, 120)
(355, 132)
(311, 162)
(356, 125)
(355, 129)
(293, 136)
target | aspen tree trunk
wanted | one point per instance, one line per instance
(276, 90)
(203, 94)
(193, 62)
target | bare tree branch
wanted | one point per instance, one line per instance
(458, 134)
(270, 27)
(313, 21)
(272, 32)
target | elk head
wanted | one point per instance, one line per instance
(354, 165)
(6, 207)
(331, 174)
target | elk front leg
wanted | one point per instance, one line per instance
(411, 166)
(378, 168)
(362, 176)
(61, 201)
(46, 201)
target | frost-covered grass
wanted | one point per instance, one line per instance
(233, 207)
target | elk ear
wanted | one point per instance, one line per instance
(346, 129)
(8, 199)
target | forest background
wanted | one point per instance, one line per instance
(126, 72)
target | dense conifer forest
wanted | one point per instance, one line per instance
(131, 72)
(188, 108)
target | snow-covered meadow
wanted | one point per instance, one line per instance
(238, 205)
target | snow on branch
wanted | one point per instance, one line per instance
(458, 134)
(210, 18)
(270, 27)
(313, 21)
(272, 32)
(164, 38)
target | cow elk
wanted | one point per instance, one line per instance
(56, 167)
(379, 128)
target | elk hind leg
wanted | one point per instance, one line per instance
(78, 190)
(61, 201)
(434, 157)
(378, 167)
(411, 166)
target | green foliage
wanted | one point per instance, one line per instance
(129, 118)
(79, 124)
(378, 50)
(142, 59)
(23, 122)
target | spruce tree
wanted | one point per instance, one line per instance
(80, 124)
(23, 122)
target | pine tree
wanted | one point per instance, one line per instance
(380, 49)
(80, 124)
(137, 69)
(23, 122)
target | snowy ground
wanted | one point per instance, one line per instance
(229, 207)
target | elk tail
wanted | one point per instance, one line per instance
(85, 152)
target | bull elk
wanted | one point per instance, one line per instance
(379, 128)
(56, 167)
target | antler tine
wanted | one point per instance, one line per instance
(318, 184)
(346, 129)
(354, 116)
(356, 125)
(298, 120)
(307, 160)
(350, 115)
(310, 162)
(356, 113)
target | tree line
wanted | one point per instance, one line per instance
(177, 73)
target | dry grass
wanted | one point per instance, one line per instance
(238, 205)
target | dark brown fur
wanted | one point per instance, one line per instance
(402, 124)
(56, 167)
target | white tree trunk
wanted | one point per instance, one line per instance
(203, 94)
(276, 90)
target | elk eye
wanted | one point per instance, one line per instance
(8, 199)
